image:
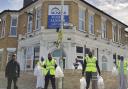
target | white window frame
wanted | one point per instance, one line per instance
(119, 34)
(104, 29)
(104, 63)
(1, 52)
(114, 35)
(38, 19)
(91, 24)
(3, 27)
(12, 17)
(30, 24)
(82, 11)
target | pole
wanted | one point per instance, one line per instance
(62, 14)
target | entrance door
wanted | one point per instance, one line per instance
(60, 57)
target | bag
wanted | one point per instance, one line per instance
(83, 83)
(114, 71)
(58, 72)
(100, 83)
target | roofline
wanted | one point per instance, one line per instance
(103, 12)
(8, 11)
(80, 0)
(28, 5)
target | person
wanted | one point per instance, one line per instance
(90, 67)
(122, 65)
(76, 63)
(38, 72)
(12, 72)
(50, 66)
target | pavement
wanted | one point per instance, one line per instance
(26, 81)
(70, 81)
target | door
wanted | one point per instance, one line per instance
(60, 57)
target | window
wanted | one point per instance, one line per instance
(104, 29)
(1, 55)
(114, 33)
(29, 29)
(38, 19)
(3, 27)
(81, 19)
(13, 28)
(91, 24)
(104, 63)
(86, 50)
(58, 53)
(79, 49)
(119, 34)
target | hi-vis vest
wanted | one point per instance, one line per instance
(42, 68)
(125, 66)
(50, 66)
(91, 64)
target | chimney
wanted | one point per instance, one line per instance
(27, 2)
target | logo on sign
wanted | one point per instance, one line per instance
(56, 11)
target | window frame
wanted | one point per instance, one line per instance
(12, 18)
(38, 19)
(82, 16)
(30, 24)
(104, 29)
(114, 33)
(91, 24)
(3, 27)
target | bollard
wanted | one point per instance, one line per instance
(59, 83)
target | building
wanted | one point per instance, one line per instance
(8, 35)
(85, 27)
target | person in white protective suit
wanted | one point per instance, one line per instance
(38, 72)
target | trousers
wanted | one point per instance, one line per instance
(91, 76)
(52, 78)
(10, 83)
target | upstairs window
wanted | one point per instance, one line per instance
(104, 29)
(91, 24)
(29, 29)
(1, 53)
(38, 19)
(119, 34)
(3, 22)
(81, 19)
(114, 33)
(13, 28)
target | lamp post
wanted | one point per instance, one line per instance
(59, 43)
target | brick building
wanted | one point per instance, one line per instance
(85, 27)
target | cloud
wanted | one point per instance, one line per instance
(15, 4)
(116, 8)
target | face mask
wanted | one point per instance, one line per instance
(50, 58)
(90, 55)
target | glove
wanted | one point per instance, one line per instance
(44, 66)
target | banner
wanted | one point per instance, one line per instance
(54, 16)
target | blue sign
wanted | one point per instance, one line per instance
(54, 16)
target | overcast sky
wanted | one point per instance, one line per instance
(116, 8)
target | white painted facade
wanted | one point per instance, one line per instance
(45, 39)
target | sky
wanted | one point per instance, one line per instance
(116, 8)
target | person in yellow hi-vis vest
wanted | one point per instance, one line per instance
(50, 66)
(39, 73)
(90, 67)
(122, 65)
